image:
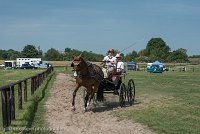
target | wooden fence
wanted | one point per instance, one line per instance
(8, 94)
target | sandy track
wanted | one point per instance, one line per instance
(96, 121)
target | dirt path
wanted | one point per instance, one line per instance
(97, 121)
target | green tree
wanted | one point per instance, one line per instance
(131, 56)
(3, 55)
(12, 54)
(157, 49)
(53, 55)
(142, 52)
(9, 54)
(30, 51)
(87, 55)
(40, 52)
(179, 55)
(67, 50)
(142, 59)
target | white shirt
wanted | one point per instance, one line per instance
(120, 66)
(109, 60)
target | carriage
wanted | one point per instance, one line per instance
(92, 78)
(118, 87)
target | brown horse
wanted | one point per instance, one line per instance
(88, 75)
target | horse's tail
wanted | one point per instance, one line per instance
(100, 96)
(99, 77)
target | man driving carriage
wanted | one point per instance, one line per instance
(108, 61)
(112, 65)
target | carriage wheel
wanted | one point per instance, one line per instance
(122, 94)
(131, 92)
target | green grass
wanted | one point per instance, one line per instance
(35, 115)
(39, 120)
(26, 116)
(167, 103)
(13, 75)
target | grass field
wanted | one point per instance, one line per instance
(13, 75)
(25, 116)
(168, 103)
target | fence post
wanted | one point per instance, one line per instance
(12, 102)
(37, 79)
(32, 85)
(35, 83)
(42, 77)
(4, 109)
(20, 95)
(8, 93)
(25, 90)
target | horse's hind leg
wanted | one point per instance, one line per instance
(86, 102)
(94, 89)
(74, 95)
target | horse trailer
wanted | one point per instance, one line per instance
(31, 61)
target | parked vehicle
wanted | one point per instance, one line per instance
(2, 65)
(155, 67)
(27, 66)
(42, 64)
(10, 64)
(131, 65)
(31, 61)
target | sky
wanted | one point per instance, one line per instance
(97, 25)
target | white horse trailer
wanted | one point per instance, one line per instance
(31, 61)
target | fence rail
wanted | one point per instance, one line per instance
(8, 95)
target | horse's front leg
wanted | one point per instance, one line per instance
(74, 95)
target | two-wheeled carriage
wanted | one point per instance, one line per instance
(114, 84)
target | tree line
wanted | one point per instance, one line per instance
(156, 49)
(30, 51)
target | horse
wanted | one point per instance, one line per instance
(89, 76)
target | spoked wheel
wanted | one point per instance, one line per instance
(131, 92)
(122, 94)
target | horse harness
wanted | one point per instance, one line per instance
(91, 75)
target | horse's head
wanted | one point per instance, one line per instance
(77, 63)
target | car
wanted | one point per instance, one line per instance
(42, 65)
(27, 66)
(131, 65)
(155, 69)
(2, 65)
